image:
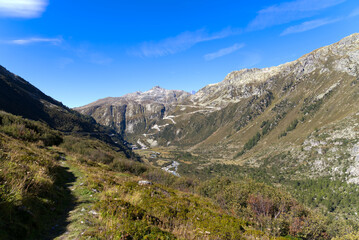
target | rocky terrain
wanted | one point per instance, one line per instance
(135, 113)
(231, 111)
(301, 116)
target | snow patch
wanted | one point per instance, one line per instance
(152, 142)
(143, 146)
(156, 127)
(320, 96)
(170, 118)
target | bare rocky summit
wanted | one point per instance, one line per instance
(134, 113)
(340, 57)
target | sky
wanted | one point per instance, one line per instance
(79, 51)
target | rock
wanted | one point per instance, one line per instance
(144, 182)
(93, 212)
(134, 112)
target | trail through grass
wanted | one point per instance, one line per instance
(81, 217)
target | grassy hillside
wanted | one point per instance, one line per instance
(21, 98)
(32, 183)
(93, 191)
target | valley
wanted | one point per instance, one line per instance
(286, 125)
(265, 154)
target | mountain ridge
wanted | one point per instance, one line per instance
(256, 115)
(246, 85)
(306, 62)
(156, 93)
(21, 98)
(134, 110)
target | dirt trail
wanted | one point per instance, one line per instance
(79, 216)
(66, 179)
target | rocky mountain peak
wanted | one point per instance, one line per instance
(158, 95)
(157, 88)
(155, 94)
(342, 56)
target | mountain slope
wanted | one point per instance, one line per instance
(295, 125)
(82, 188)
(134, 113)
(221, 111)
(21, 98)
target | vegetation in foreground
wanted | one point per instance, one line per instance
(94, 192)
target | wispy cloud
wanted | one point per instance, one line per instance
(64, 62)
(22, 8)
(354, 13)
(99, 58)
(289, 11)
(26, 41)
(224, 51)
(309, 25)
(85, 52)
(179, 43)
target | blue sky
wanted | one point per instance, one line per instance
(78, 51)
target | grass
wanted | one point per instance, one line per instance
(31, 184)
(80, 218)
(94, 193)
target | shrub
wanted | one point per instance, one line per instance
(123, 165)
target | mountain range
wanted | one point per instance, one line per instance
(239, 159)
(314, 92)
(301, 115)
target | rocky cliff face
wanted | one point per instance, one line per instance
(135, 113)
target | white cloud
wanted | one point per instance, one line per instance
(22, 8)
(178, 43)
(224, 51)
(289, 11)
(26, 41)
(354, 13)
(309, 25)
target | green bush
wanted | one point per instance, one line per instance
(124, 165)
(249, 145)
(292, 125)
(28, 130)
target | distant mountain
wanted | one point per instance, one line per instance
(19, 97)
(134, 113)
(256, 114)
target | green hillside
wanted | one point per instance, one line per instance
(56, 186)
